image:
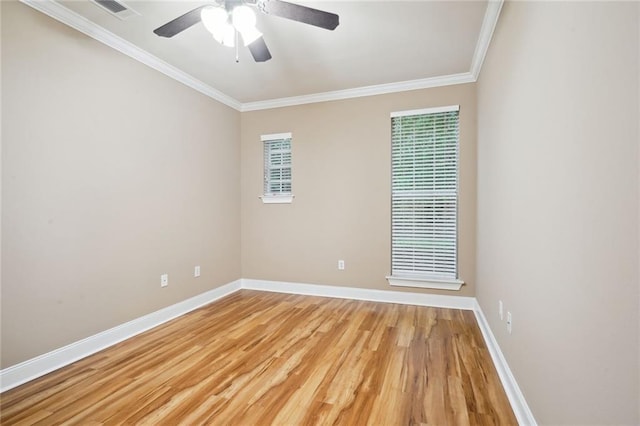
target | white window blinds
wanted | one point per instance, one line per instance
(424, 194)
(277, 164)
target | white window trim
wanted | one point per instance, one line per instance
(422, 111)
(430, 283)
(427, 283)
(277, 198)
(275, 136)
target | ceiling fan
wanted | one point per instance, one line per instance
(225, 19)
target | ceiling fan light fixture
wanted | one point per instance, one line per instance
(228, 35)
(218, 35)
(243, 18)
(214, 18)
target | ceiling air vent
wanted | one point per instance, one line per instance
(116, 8)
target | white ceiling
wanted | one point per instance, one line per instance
(376, 43)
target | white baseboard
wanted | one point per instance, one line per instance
(511, 388)
(420, 299)
(33, 368)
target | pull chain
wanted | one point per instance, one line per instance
(237, 55)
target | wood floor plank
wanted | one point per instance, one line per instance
(257, 358)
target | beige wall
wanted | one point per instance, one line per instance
(341, 181)
(112, 174)
(558, 205)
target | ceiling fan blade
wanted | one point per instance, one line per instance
(299, 13)
(179, 24)
(259, 50)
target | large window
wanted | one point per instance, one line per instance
(277, 168)
(424, 200)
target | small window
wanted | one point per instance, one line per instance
(277, 168)
(424, 198)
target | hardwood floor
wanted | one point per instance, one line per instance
(256, 358)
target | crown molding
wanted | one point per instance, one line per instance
(489, 23)
(82, 24)
(358, 92)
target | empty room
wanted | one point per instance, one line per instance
(264, 212)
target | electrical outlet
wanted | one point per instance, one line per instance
(509, 320)
(196, 271)
(341, 265)
(500, 310)
(164, 280)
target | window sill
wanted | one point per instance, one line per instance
(437, 284)
(277, 199)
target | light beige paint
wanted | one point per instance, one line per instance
(1, 186)
(112, 174)
(558, 205)
(341, 181)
